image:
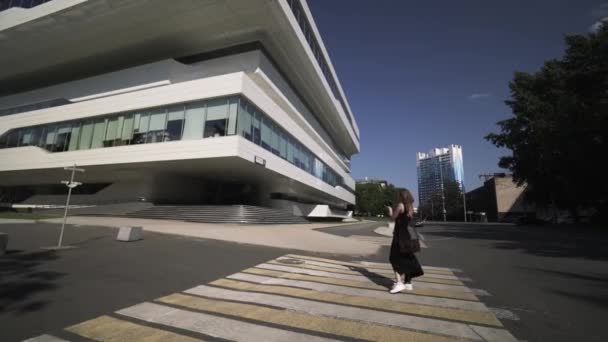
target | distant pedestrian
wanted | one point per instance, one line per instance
(405, 243)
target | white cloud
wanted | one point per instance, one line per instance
(478, 96)
(598, 24)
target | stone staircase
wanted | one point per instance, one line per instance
(219, 214)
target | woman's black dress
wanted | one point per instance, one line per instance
(403, 263)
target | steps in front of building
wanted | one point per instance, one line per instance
(219, 214)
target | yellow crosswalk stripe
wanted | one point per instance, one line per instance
(109, 329)
(375, 268)
(383, 273)
(365, 285)
(370, 332)
(373, 303)
(297, 261)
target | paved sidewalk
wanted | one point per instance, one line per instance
(301, 236)
(13, 221)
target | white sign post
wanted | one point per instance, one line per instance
(71, 185)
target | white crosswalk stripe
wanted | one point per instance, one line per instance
(403, 297)
(354, 277)
(315, 308)
(305, 298)
(45, 338)
(213, 325)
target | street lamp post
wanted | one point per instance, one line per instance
(464, 202)
(71, 185)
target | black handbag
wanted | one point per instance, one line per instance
(409, 246)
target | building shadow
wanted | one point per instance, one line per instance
(546, 241)
(21, 280)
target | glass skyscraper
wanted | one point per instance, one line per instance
(436, 168)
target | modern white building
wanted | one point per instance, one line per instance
(181, 101)
(435, 168)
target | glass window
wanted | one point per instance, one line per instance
(217, 114)
(244, 120)
(274, 139)
(318, 170)
(48, 141)
(3, 140)
(195, 121)
(64, 132)
(296, 155)
(307, 160)
(257, 127)
(99, 132)
(158, 122)
(232, 115)
(290, 151)
(175, 123)
(13, 139)
(140, 128)
(266, 133)
(73, 143)
(124, 131)
(25, 137)
(283, 145)
(112, 132)
(86, 135)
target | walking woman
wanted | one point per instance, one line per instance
(405, 244)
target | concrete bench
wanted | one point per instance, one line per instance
(3, 243)
(130, 234)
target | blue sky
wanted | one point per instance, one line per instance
(424, 74)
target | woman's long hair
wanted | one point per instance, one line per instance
(405, 197)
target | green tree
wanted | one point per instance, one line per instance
(371, 198)
(453, 200)
(558, 134)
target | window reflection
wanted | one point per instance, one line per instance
(203, 119)
(217, 115)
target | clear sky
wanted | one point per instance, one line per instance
(424, 74)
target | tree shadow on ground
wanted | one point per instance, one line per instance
(595, 279)
(600, 301)
(546, 241)
(21, 280)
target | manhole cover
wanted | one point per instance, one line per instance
(291, 261)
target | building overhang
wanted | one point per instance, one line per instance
(65, 40)
(230, 159)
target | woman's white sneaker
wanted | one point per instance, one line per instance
(408, 287)
(398, 287)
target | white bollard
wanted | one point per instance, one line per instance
(3, 243)
(130, 234)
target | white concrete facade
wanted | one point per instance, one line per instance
(261, 76)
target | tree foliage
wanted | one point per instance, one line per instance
(558, 132)
(454, 203)
(372, 197)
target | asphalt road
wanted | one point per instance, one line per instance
(43, 292)
(555, 279)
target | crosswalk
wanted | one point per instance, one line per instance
(304, 298)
